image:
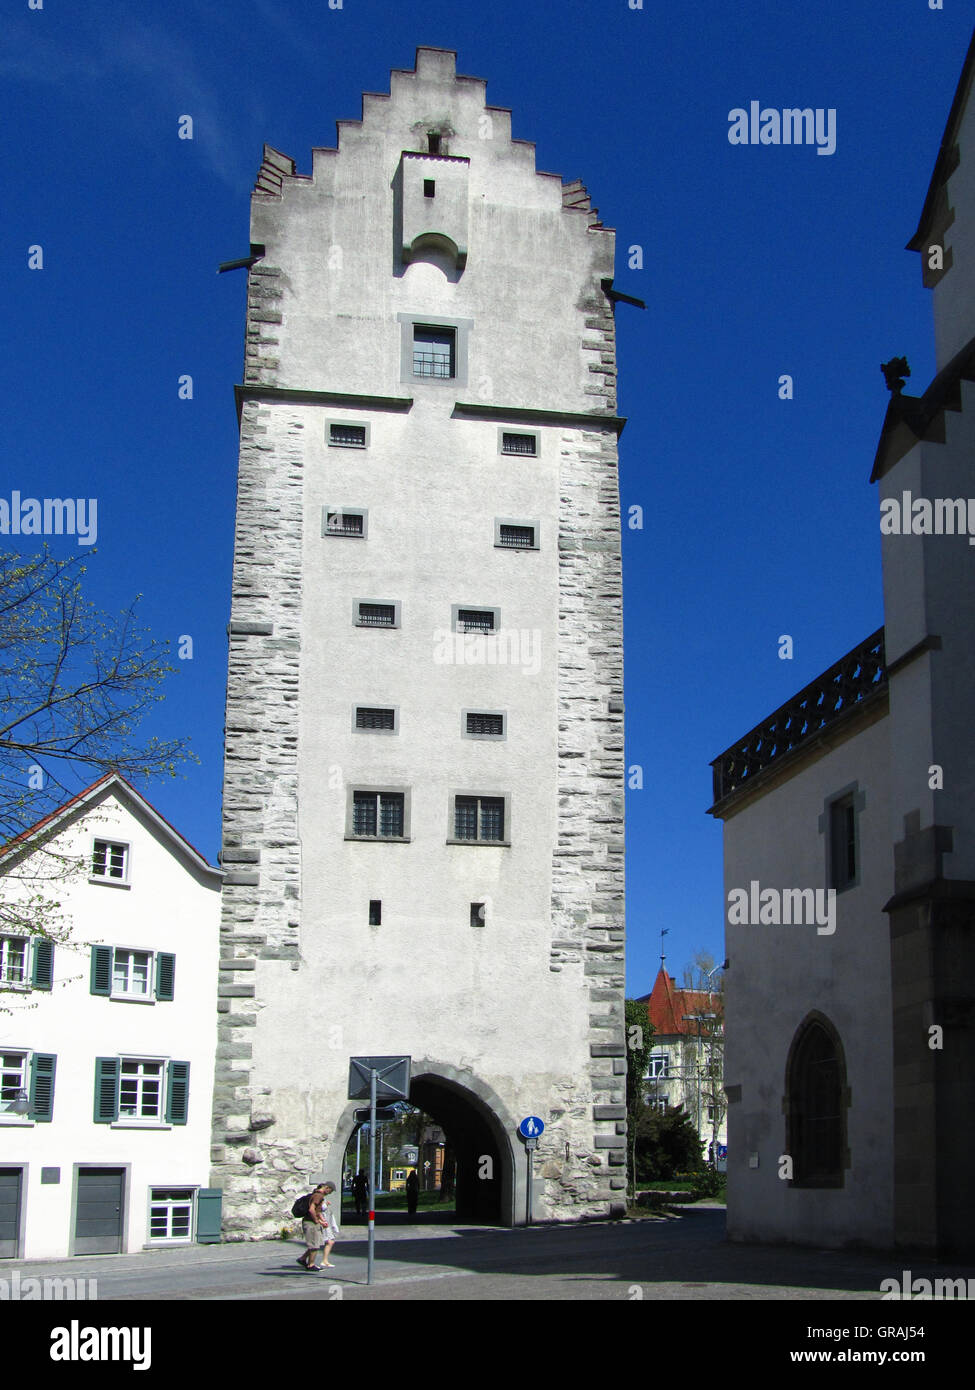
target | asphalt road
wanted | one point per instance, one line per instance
(683, 1257)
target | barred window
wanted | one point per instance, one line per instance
(378, 814)
(377, 615)
(475, 620)
(345, 523)
(485, 724)
(367, 718)
(518, 443)
(517, 537)
(433, 352)
(350, 436)
(479, 818)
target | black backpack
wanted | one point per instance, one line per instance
(301, 1206)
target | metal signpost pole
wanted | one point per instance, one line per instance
(372, 1170)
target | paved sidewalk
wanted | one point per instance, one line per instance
(680, 1257)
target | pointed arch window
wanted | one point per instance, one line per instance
(816, 1104)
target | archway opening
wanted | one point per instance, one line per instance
(455, 1144)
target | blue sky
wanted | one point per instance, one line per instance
(757, 261)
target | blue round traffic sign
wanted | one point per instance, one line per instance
(530, 1127)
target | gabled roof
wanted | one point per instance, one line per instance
(947, 159)
(115, 783)
(667, 1006)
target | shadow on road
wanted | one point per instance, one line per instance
(687, 1249)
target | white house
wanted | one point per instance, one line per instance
(107, 1037)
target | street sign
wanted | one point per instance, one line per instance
(530, 1127)
(531, 1143)
(392, 1081)
(383, 1112)
(722, 1150)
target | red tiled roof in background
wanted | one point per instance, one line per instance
(667, 1005)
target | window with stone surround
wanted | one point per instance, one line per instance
(378, 813)
(480, 819)
(376, 613)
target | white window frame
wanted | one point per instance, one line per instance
(6, 940)
(116, 880)
(24, 1083)
(148, 1121)
(170, 1204)
(149, 993)
(658, 1073)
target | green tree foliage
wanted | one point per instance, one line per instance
(666, 1144)
(74, 684)
(639, 1041)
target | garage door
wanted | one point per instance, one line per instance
(9, 1211)
(98, 1220)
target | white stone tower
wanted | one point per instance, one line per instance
(423, 805)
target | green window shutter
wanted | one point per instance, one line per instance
(165, 975)
(209, 1202)
(106, 1090)
(101, 969)
(177, 1093)
(42, 963)
(42, 1068)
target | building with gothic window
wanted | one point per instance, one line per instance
(849, 840)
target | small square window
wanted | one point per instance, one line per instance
(368, 614)
(376, 719)
(475, 620)
(375, 912)
(336, 522)
(433, 352)
(110, 861)
(433, 142)
(343, 436)
(525, 444)
(483, 725)
(517, 537)
(478, 914)
(513, 533)
(429, 188)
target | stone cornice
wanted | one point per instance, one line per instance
(579, 419)
(269, 395)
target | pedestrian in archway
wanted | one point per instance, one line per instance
(412, 1192)
(360, 1191)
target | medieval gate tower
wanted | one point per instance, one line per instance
(423, 801)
